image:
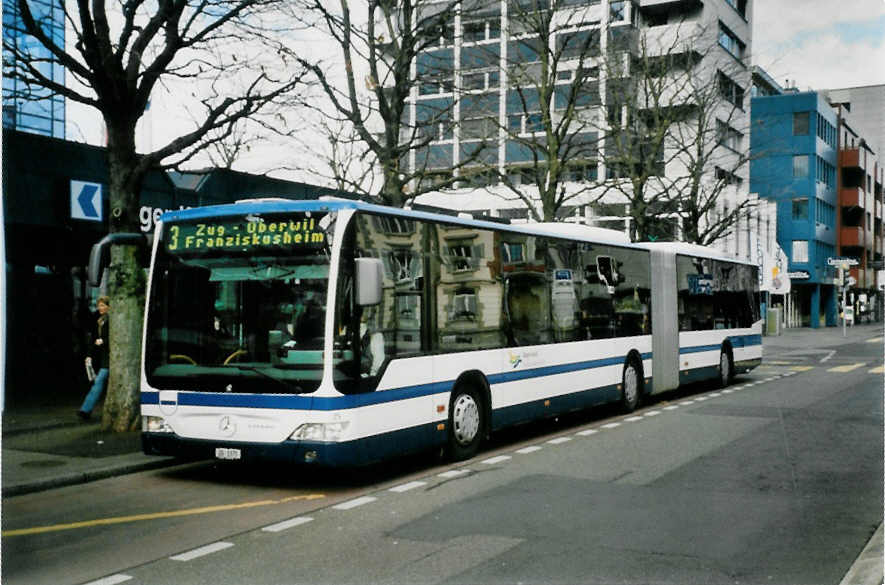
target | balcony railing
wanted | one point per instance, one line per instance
(854, 236)
(850, 158)
(851, 196)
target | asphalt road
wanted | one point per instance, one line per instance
(777, 479)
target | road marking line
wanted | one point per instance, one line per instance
(155, 516)
(827, 357)
(111, 580)
(714, 395)
(879, 370)
(846, 368)
(688, 402)
(632, 419)
(874, 340)
(407, 486)
(453, 473)
(611, 425)
(802, 368)
(728, 391)
(355, 503)
(527, 450)
(700, 399)
(777, 363)
(202, 551)
(671, 407)
(287, 524)
(559, 440)
(652, 413)
(498, 459)
(587, 433)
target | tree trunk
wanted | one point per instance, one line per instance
(126, 284)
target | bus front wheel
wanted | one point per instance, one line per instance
(631, 385)
(466, 423)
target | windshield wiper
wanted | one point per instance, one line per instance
(290, 386)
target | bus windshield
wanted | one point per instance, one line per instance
(238, 304)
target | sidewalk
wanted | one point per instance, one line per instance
(47, 446)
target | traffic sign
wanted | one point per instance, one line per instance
(86, 201)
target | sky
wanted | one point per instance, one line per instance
(820, 44)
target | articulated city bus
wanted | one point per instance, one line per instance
(342, 333)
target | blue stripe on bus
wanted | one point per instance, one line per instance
(736, 341)
(301, 402)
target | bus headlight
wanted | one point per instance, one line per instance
(330, 431)
(155, 424)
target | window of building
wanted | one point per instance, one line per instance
(617, 11)
(728, 136)
(800, 209)
(800, 166)
(800, 123)
(826, 173)
(512, 252)
(480, 80)
(481, 30)
(586, 173)
(730, 42)
(464, 305)
(461, 256)
(731, 91)
(800, 251)
(479, 128)
(727, 177)
(739, 5)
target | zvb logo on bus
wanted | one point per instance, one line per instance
(515, 360)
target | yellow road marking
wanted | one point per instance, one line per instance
(874, 340)
(802, 368)
(879, 370)
(846, 367)
(155, 516)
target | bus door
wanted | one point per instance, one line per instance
(664, 327)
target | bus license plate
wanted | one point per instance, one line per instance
(225, 453)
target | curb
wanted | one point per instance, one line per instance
(80, 477)
(868, 567)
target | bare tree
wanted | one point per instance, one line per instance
(550, 128)
(673, 126)
(233, 56)
(389, 58)
(225, 153)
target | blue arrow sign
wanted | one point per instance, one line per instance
(86, 201)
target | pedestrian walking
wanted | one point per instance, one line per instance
(98, 359)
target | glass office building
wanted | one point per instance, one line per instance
(34, 109)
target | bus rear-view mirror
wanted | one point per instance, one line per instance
(369, 279)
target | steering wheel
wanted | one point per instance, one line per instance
(235, 355)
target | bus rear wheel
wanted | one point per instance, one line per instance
(631, 385)
(466, 423)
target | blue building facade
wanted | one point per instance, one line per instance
(793, 146)
(32, 109)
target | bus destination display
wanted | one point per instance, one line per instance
(244, 235)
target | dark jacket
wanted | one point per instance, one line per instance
(100, 354)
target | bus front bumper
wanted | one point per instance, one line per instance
(291, 452)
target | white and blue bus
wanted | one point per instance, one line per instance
(341, 333)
